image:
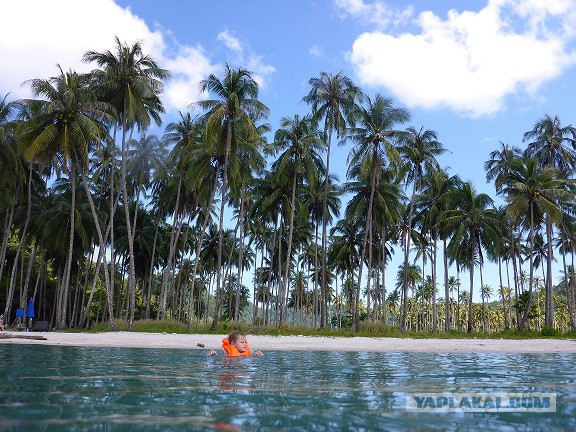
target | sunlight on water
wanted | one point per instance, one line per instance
(45, 388)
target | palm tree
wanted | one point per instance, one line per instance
(375, 140)
(498, 165)
(233, 112)
(334, 98)
(12, 173)
(69, 123)
(533, 192)
(474, 224)
(132, 82)
(248, 163)
(485, 292)
(429, 206)
(420, 149)
(413, 274)
(300, 143)
(194, 167)
(387, 204)
(553, 146)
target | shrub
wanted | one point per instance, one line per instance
(549, 331)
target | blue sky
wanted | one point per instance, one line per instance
(477, 76)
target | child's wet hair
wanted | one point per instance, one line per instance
(233, 337)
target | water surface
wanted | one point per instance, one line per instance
(52, 388)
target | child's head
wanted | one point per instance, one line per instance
(238, 340)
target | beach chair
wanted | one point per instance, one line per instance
(40, 326)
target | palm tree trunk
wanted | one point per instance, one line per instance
(12, 283)
(131, 288)
(570, 292)
(383, 293)
(113, 207)
(446, 287)
(7, 229)
(101, 257)
(288, 254)
(549, 307)
(221, 226)
(68, 268)
(529, 304)
(323, 283)
(406, 256)
(199, 243)
(363, 254)
(315, 295)
(515, 275)
(483, 300)
(241, 254)
(506, 326)
(434, 269)
(470, 317)
(167, 268)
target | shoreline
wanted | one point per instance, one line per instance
(296, 343)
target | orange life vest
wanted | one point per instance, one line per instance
(232, 351)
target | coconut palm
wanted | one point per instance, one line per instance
(299, 142)
(413, 274)
(552, 145)
(70, 122)
(419, 150)
(132, 82)
(12, 173)
(429, 206)
(235, 111)
(193, 165)
(498, 165)
(375, 139)
(474, 224)
(334, 98)
(534, 192)
(248, 163)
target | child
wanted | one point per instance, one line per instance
(2, 322)
(235, 345)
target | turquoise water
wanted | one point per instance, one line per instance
(51, 388)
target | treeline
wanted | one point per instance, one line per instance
(104, 221)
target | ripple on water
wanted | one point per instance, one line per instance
(48, 388)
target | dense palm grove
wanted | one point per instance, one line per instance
(103, 221)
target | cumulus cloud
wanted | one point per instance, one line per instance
(58, 31)
(245, 57)
(378, 12)
(472, 60)
(316, 51)
(188, 68)
(230, 41)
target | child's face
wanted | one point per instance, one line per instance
(240, 344)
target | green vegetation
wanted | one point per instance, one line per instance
(366, 330)
(107, 226)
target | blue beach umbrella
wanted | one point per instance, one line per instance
(30, 309)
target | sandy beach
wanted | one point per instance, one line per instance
(294, 343)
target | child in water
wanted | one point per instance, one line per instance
(235, 345)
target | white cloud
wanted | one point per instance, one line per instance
(316, 51)
(36, 35)
(230, 41)
(470, 61)
(378, 12)
(245, 57)
(188, 68)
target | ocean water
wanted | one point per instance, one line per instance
(52, 388)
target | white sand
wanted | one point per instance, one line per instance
(190, 341)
